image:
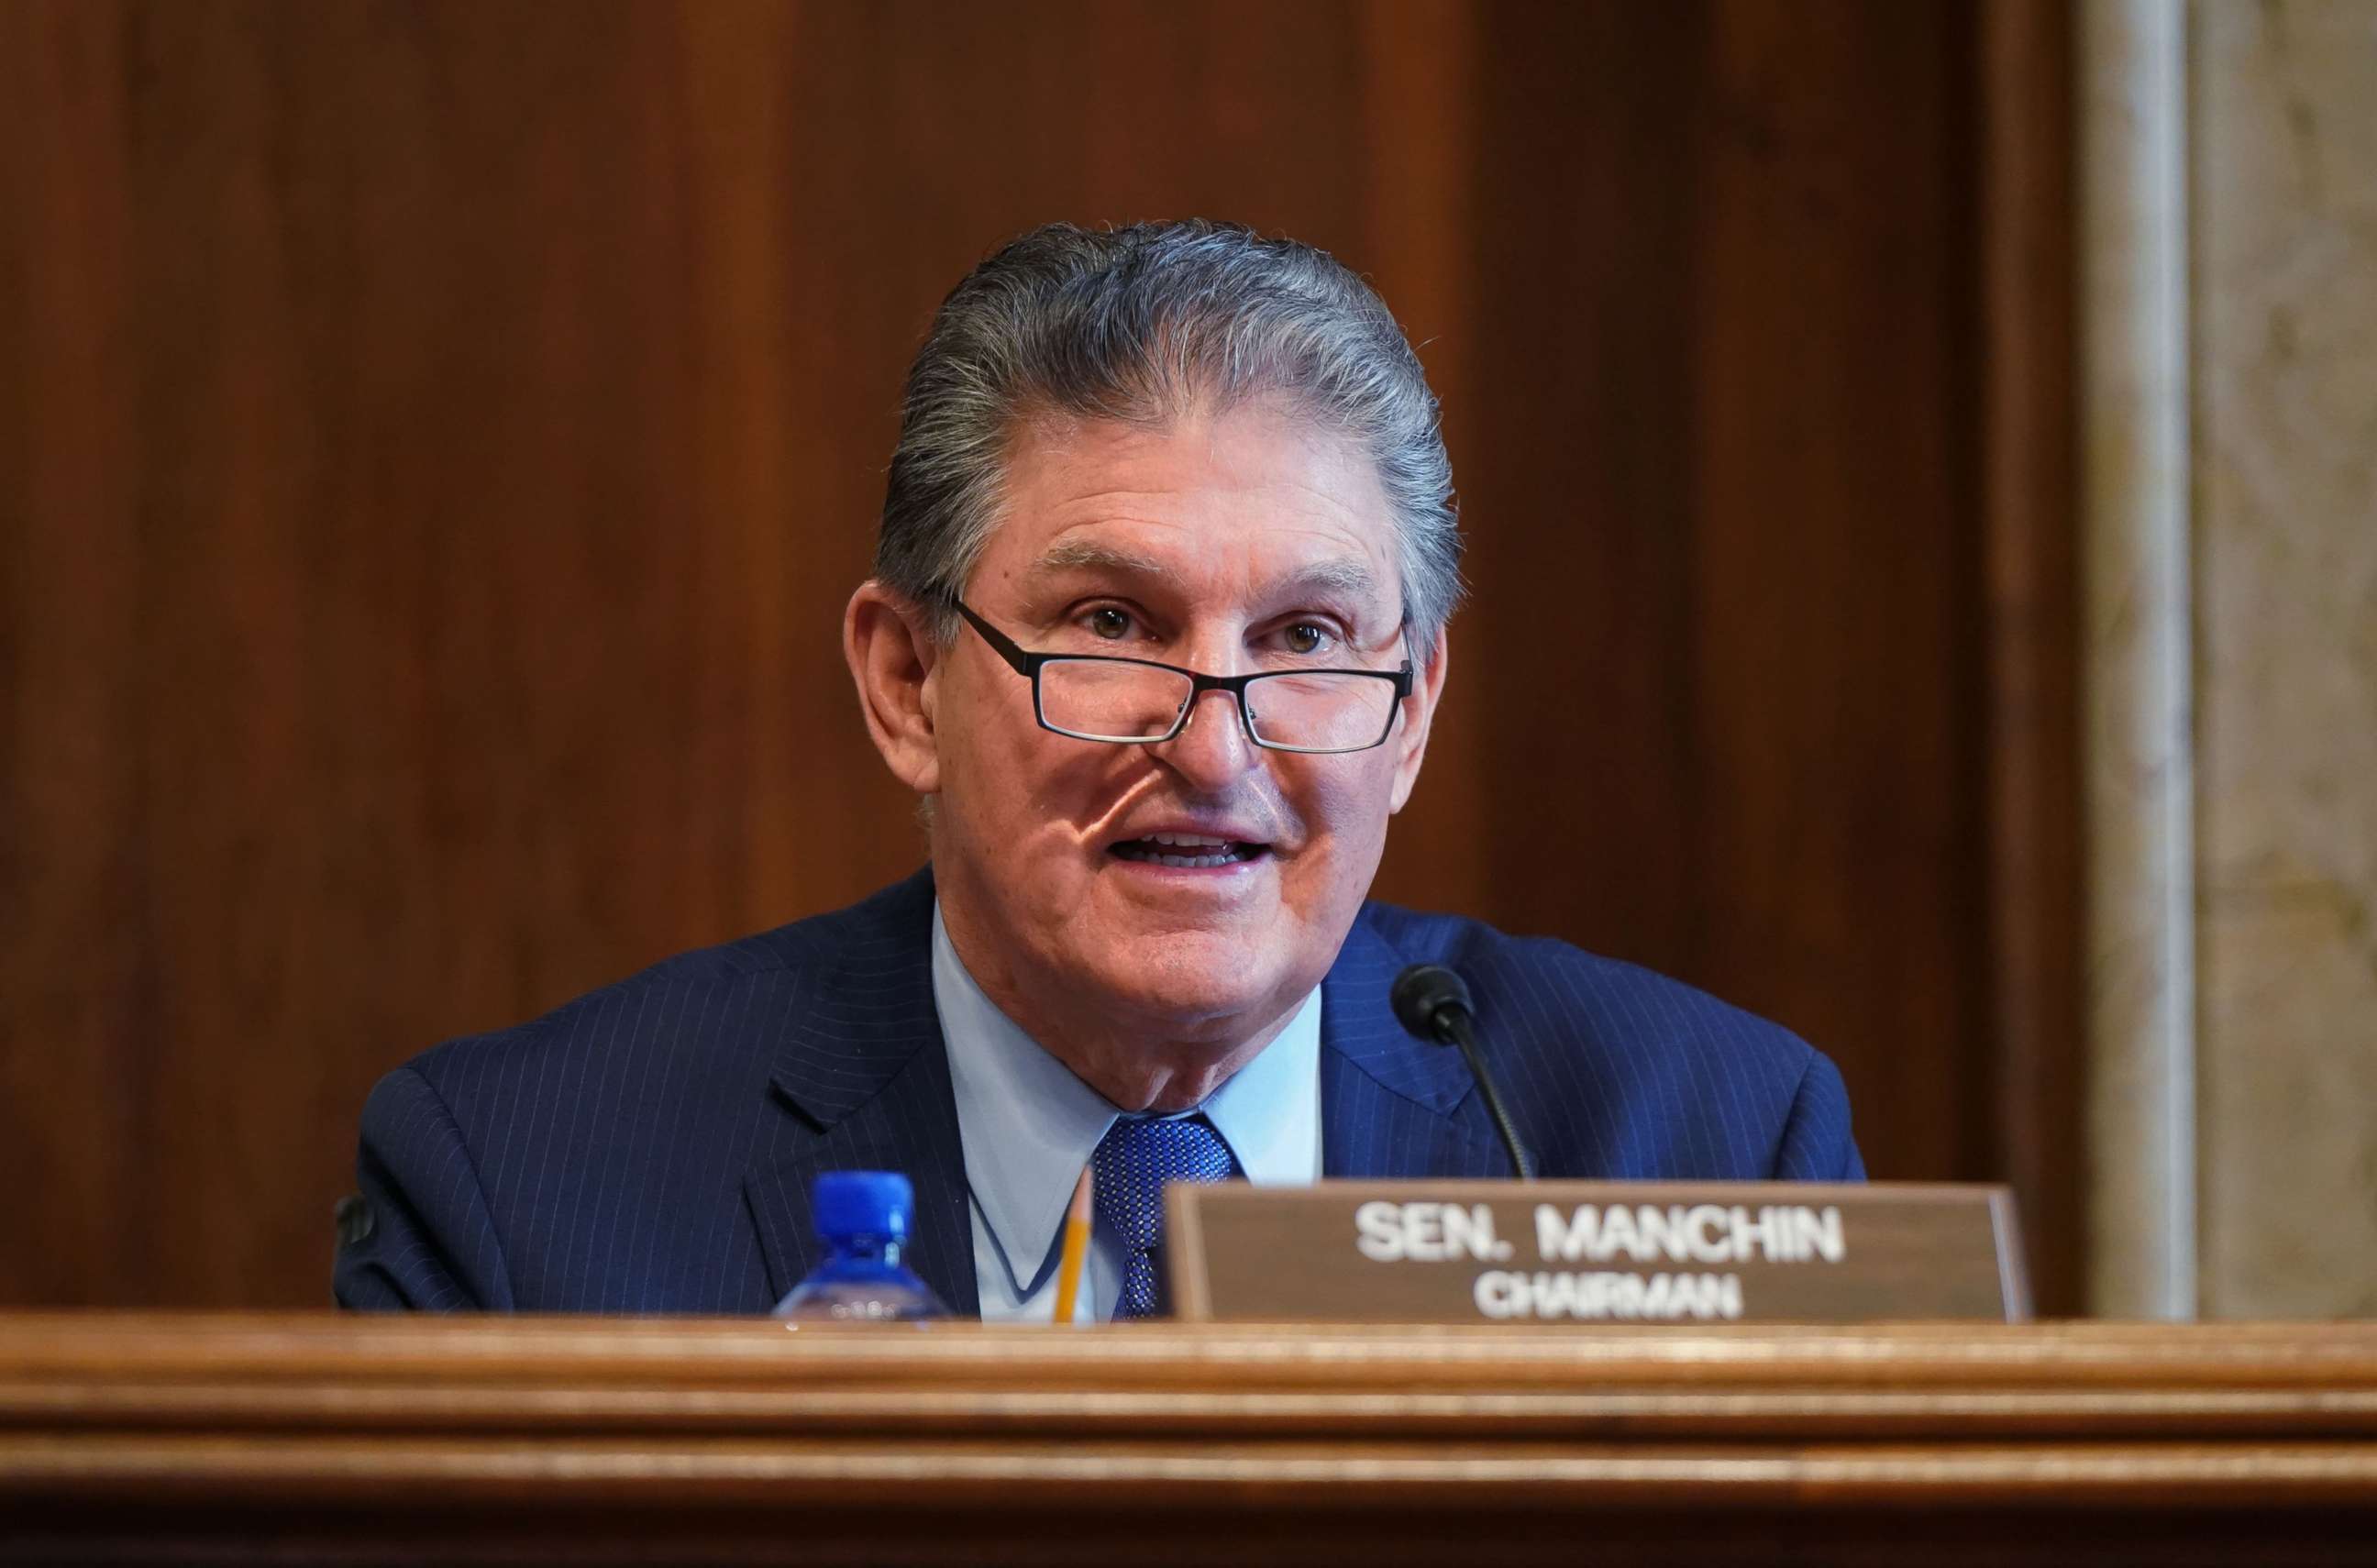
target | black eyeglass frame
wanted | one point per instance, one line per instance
(1029, 665)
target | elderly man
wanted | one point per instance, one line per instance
(1156, 631)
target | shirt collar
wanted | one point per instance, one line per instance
(1028, 1125)
(1268, 1110)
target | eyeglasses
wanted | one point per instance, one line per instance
(1141, 703)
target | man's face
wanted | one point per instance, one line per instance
(1224, 545)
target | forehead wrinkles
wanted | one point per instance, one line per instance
(1056, 440)
(1173, 473)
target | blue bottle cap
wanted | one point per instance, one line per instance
(863, 1202)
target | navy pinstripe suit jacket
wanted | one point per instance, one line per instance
(649, 1147)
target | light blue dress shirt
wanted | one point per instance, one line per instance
(1029, 1126)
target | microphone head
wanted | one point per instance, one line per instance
(1422, 994)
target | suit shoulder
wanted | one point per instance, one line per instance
(694, 1004)
(1618, 1073)
(618, 1014)
(1541, 984)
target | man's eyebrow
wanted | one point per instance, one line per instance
(1348, 577)
(1084, 555)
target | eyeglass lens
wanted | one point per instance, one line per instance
(1103, 699)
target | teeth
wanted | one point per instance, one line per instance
(1143, 850)
(1189, 841)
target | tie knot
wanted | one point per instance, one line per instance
(1135, 1159)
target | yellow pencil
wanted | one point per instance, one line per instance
(1077, 1249)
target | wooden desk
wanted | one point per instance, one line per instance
(160, 1437)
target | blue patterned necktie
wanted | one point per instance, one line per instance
(1133, 1161)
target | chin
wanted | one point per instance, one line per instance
(1195, 975)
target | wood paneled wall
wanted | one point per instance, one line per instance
(436, 441)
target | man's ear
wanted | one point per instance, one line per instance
(1428, 685)
(892, 655)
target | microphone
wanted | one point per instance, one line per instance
(1432, 1002)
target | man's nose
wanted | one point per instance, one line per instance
(1213, 751)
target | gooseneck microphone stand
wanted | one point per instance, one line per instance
(1432, 1002)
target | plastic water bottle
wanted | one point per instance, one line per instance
(863, 1218)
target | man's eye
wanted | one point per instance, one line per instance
(1306, 638)
(1109, 623)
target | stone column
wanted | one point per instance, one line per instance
(2285, 161)
(2228, 298)
(2136, 650)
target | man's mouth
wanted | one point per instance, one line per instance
(1187, 851)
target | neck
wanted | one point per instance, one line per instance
(1140, 1061)
(1173, 1075)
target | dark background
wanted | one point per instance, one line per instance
(436, 441)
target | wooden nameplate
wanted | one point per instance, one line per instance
(1594, 1252)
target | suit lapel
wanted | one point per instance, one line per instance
(1389, 1106)
(862, 1081)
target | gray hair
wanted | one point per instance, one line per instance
(1141, 324)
